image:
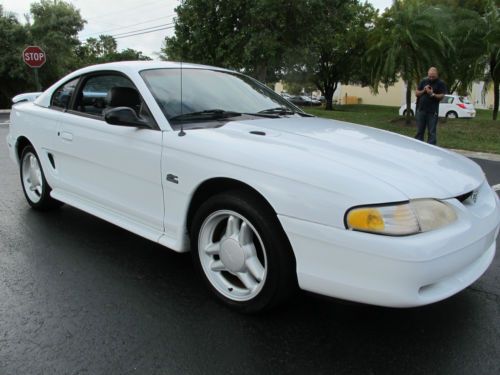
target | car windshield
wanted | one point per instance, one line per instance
(209, 94)
(464, 100)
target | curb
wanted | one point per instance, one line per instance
(478, 155)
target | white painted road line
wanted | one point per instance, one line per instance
(496, 187)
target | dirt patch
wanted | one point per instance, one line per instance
(402, 121)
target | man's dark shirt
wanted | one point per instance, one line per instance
(425, 102)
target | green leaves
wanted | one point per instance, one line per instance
(13, 72)
(104, 49)
(255, 36)
(53, 25)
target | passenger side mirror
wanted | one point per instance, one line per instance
(124, 116)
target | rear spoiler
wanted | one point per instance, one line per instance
(26, 97)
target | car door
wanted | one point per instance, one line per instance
(112, 168)
(445, 105)
(46, 125)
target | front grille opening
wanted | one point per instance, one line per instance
(464, 197)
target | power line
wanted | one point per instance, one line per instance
(125, 27)
(124, 10)
(145, 32)
(145, 29)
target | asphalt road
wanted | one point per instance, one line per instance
(81, 296)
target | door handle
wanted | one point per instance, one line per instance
(67, 136)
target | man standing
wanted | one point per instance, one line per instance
(429, 93)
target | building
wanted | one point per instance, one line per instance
(395, 95)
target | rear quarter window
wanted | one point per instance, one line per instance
(62, 96)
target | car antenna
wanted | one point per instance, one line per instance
(182, 133)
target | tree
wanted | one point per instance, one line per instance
(491, 39)
(104, 49)
(53, 25)
(13, 73)
(462, 64)
(55, 28)
(253, 36)
(405, 43)
(334, 46)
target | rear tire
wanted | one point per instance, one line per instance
(242, 253)
(411, 112)
(35, 186)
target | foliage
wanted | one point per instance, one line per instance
(13, 72)
(299, 85)
(462, 65)
(491, 40)
(405, 43)
(335, 44)
(104, 49)
(54, 26)
(253, 36)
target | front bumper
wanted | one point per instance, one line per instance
(397, 271)
(12, 148)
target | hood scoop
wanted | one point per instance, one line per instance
(264, 132)
(257, 132)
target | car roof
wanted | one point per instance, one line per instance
(127, 67)
(137, 66)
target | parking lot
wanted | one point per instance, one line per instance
(81, 296)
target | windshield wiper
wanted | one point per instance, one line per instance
(281, 111)
(208, 114)
(260, 114)
(278, 111)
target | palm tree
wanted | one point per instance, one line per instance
(491, 23)
(404, 43)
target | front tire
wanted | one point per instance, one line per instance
(242, 253)
(35, 186)
(452, 114)
(411, 112)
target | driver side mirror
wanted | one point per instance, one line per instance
(124, 116)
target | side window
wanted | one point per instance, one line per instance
(62, 96)
(448, 99)
(104, 91)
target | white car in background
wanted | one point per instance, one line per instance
(266, 197)
(452, 106)
(26, 97)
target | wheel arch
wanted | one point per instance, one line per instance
(21, 143)
(216, 185)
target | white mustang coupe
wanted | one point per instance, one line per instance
(266, 197)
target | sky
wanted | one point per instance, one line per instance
(121, 18)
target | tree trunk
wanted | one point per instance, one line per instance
(408, 103)
(261, 72)
(496, 80)
(329, 90)
(496, 98)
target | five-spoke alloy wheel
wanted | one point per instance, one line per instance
(232, 255)
(35, 186)
(242, 252)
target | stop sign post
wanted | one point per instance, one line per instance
(34, 57)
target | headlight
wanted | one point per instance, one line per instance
(399, 219)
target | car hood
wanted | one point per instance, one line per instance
(319, 147)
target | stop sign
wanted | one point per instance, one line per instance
(34, 56)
